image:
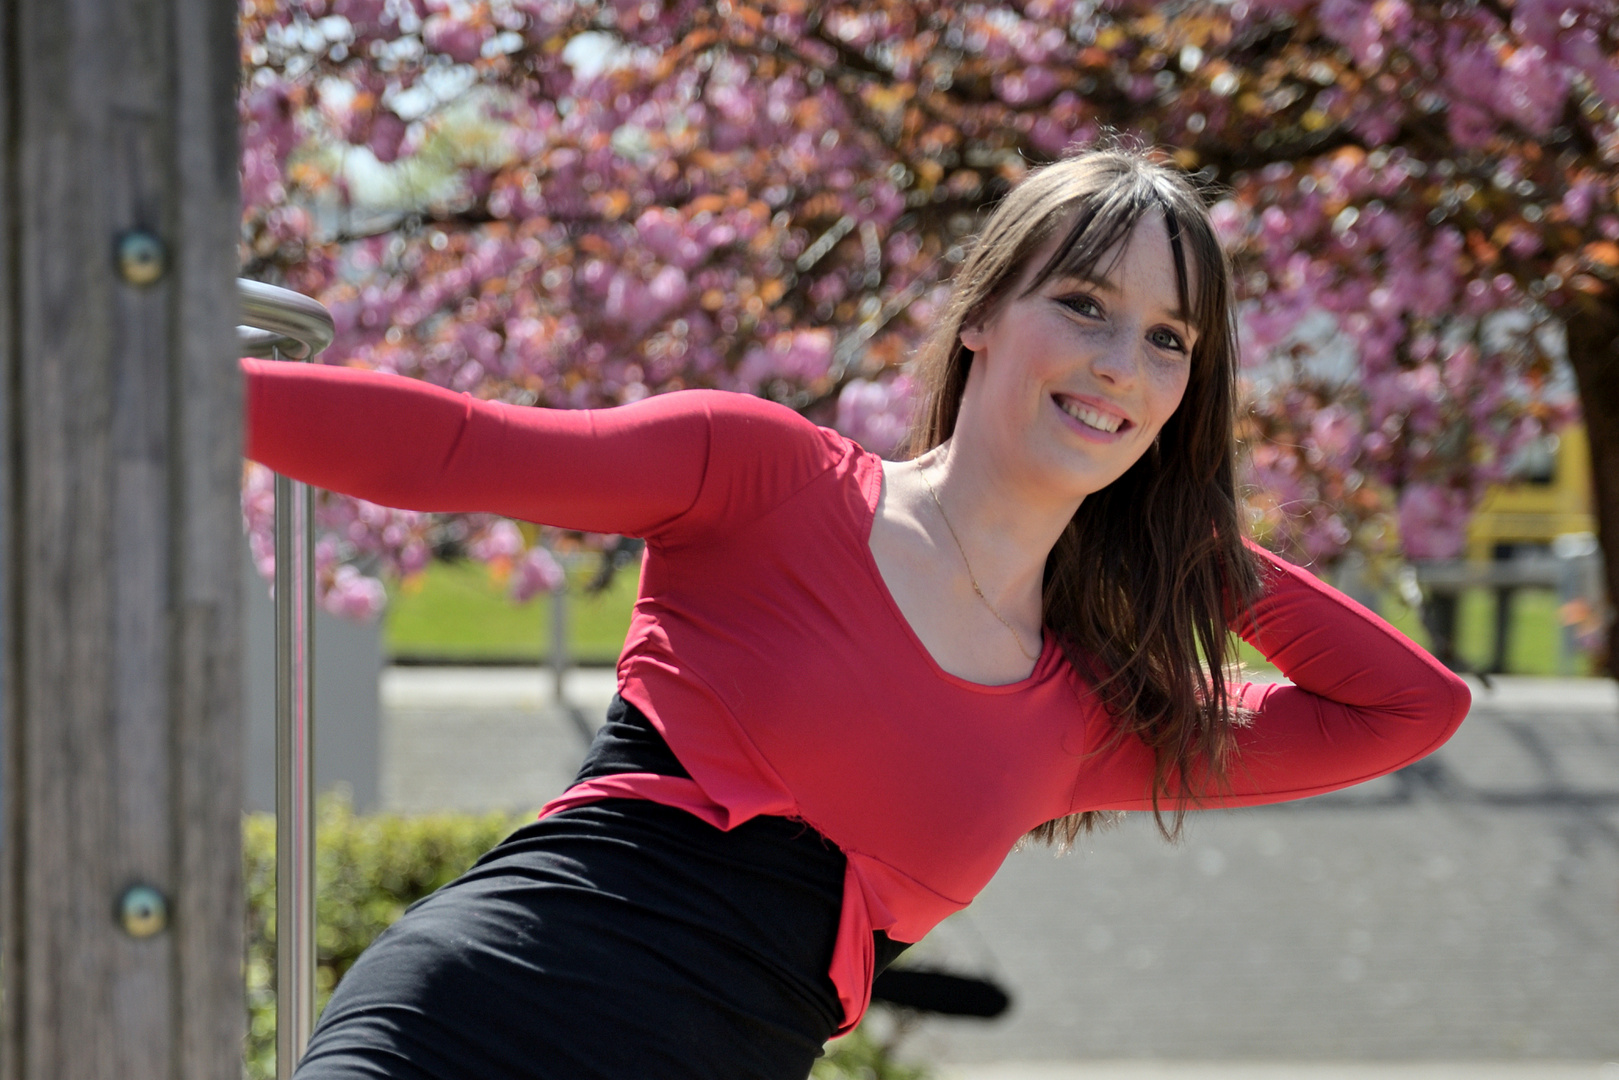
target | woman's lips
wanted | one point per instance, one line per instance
(1085, 417)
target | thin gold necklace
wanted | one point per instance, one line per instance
(1010, 629)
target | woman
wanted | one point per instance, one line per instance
(850, 686)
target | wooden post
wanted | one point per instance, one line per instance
(119, 541)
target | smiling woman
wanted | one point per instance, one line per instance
(1089, 356)
(851, 686)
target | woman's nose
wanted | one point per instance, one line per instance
(1116, 362)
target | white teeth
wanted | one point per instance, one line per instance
(1090, 417)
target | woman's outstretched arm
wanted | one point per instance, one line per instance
(1364, 701)
(636, 469)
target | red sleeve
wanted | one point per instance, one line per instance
(1365, 701)
(660, 467)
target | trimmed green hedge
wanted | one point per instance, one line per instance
(368, 869)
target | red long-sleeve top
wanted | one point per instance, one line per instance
(767, 650)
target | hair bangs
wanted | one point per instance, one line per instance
(1103, 226)
(1106, 225)
(1209, 310)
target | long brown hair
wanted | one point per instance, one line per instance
(1144, 581)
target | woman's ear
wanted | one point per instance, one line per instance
(972, 337)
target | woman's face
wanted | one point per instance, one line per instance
(1076, 378)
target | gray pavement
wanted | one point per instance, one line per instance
(484, 738)
(1463, 911)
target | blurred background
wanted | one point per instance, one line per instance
(580, 204)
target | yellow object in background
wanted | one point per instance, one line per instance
(1554, 499)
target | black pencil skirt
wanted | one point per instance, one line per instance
(622, 940)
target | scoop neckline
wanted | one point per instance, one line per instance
(873, 490)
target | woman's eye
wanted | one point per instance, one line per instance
(1168, 339)
(1084, 305)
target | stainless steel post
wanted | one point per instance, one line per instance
(295, 768)
(280, 323)
(559, 645)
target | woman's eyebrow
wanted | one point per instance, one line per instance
(1087, 279)
(1104, 285)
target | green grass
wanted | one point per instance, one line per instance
(1532, 644)
(457, 611)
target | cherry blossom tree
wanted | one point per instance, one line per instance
(576, 204)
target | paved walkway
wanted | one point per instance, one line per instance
(1465, 909)
(484, 738)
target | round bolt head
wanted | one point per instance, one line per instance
(141, 257)
(143, 911)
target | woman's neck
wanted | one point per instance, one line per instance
(1005, 525)
(970, 598)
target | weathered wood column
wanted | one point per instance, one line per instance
(120, 540)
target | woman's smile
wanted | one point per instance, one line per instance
(1092, 419)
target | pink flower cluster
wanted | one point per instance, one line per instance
(765, 197)
(1486, 72)
(1425, 382)
(877, 413)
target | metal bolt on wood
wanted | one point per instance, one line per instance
(143, 912)
(142, 258)
(283, 323)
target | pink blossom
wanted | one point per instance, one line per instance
(544, 16)
(536, 572)
(1471, 69)
(576, 297)
(1140, 88)
(386, 136)
(801, 355)
(1275, 222)
(1460, 369)
(1230, 220)
(268, 111)
(1335, 434)
(1323, 537)
(413, 557)
(1537, 21)
(1050, 136)
(829, 289)
(1579, 199)
(1353, 24)
(664, 233)
(501, 540)
(1027, 87)
(352, 595)
(667, 290)
(458, 40)
(1265, 325)
(364, 16)
(1433, 521)
(877, 415)
(261, 178)
(642, 304)
(1533, 89)
(1582, 48)
(1524, 242)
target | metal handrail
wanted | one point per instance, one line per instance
(280, 321)
(282, 324)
